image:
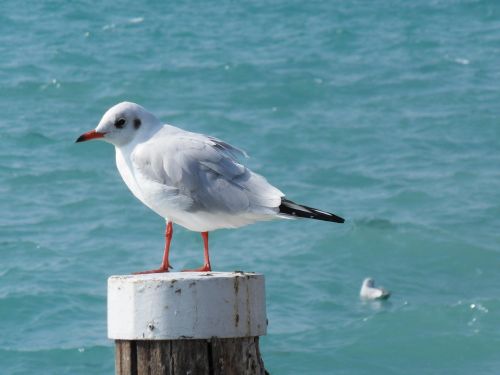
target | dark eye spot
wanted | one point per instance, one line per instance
(137, 123)
(120, 123)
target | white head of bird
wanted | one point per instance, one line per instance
(123, 123)
(369, 282)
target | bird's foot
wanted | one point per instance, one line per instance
(158, 270)
(205, 268)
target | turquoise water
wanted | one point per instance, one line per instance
(386, 113)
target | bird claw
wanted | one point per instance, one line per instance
(204, 268)
(158, 270)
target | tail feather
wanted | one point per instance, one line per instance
(293, 209)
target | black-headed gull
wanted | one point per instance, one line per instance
(370, 291)
(190, 179)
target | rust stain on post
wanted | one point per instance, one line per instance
(236, 301)
(249, 312)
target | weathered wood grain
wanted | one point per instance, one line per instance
(216, 356)
(125, 357)
(237, 356)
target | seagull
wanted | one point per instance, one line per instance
(190, 179)
(369, 291)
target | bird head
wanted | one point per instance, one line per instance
(369, 282)
(121, 124)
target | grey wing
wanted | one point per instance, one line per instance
(226, 148)
(206, 172)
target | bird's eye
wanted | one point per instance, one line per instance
(120, 123)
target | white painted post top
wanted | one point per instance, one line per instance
(186, 305)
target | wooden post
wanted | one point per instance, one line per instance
(187, 323)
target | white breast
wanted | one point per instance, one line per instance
(124, 166)
(161, 199)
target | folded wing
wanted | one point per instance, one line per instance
(201, 173)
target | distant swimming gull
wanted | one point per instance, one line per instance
(369, 291)
(190, 179)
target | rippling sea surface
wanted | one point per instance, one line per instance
(386, 113)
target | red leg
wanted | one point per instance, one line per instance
(165, 265)
(206, 266)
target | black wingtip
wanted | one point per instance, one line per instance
(339, 219)
(293, 209)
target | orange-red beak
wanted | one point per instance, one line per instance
(90, 135)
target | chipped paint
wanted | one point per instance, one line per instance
(173, 305)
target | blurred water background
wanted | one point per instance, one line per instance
(386, 113)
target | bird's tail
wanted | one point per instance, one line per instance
(292, 209)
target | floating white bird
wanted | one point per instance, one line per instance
(190, 179)
(369, 291)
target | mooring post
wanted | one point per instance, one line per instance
(187, 323)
